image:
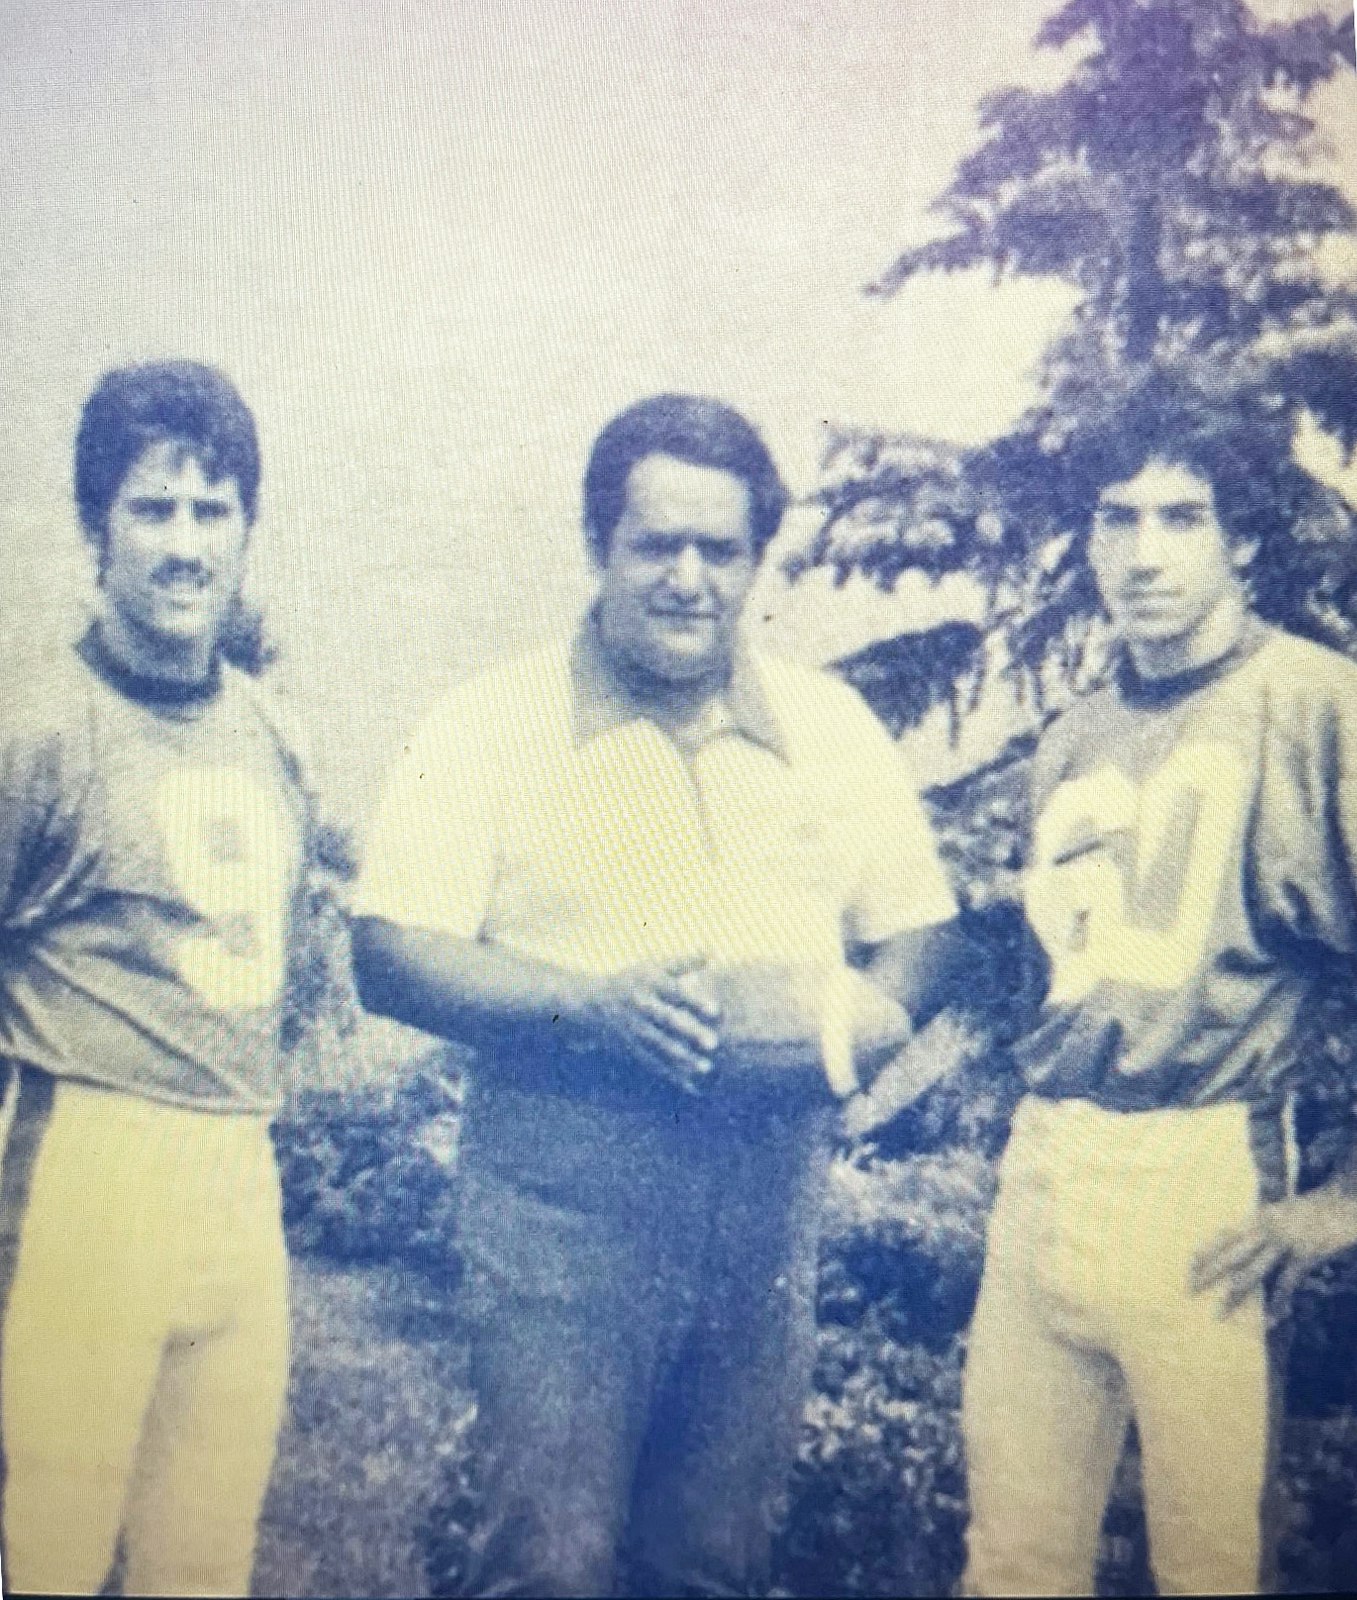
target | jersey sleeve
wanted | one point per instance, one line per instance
(430, 853)
(1305, 838)
(39, 788)
(902, 885)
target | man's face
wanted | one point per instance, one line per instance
(1162, 561)
(174, 559)
(677, 571)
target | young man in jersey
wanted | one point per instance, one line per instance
(152, 834)
(1191, 872)
(625, 868)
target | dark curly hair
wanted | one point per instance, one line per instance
(694, 429)
(1304, 572)
(137, 406)
(1239, 456)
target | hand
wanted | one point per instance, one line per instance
(1289, 1237)
(663, 1016)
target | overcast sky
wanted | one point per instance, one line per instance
(438, 244)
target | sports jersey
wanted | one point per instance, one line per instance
(1191, 873)
(151, 850)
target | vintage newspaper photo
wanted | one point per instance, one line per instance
(678, 797)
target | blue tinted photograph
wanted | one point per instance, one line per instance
(678, 798)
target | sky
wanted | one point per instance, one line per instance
(438, 243)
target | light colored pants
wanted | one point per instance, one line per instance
(143, 1339)
(1085, 1320)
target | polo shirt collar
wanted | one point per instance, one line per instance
(601, 701)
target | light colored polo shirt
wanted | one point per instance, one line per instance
(537, 809)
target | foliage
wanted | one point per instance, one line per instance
(877, 1498)
(377, 1410)
(1172, 179)
(1319, 1479)
(320, 992)
(368, 1175)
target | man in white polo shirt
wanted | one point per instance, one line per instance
(678, 896)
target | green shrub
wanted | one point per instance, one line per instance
(877, 1496)
(369, 1175)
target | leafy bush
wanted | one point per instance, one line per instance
(877, 1497)
(369, 1175)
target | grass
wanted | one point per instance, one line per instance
(377, 1403)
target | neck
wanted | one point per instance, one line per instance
(1218, 632)
(183, 663)
(667, 700)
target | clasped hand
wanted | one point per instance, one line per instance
(665, 1015)
(762, 1022)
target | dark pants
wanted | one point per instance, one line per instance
(642, 1281)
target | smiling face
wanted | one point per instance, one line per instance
(173, 561)
(677, 571)
(1168, 574)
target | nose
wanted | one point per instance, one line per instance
(686, 573)
(182, 535)
(1147, 546)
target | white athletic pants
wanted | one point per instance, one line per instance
(143, 1339)
(1084, 1320)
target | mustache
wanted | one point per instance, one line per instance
(175, 567)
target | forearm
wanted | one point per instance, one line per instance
(916, 969)
(465, 990)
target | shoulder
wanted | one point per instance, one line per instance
(1074, 728)
(814, 706)
(517, 707)
(1308, 691)
(1297, 666)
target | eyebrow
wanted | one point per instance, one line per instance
(1127, 508)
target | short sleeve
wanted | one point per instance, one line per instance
(902, 885)
(43, 770)
(1304, 836)
(430, 852)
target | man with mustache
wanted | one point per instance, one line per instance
(626, 869)
(1191, 874)
(152, 833)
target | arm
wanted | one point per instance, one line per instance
(467, 990)
(920, 968)
(917, 968)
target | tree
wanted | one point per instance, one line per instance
(1171, 179)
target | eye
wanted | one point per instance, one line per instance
(210, 510)
(1115, 517)
(719, 553)
(1185, 515)
(656, 547)
(151, 508)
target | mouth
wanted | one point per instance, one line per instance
(183, 588)
(1151, 600)
(682, 619)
